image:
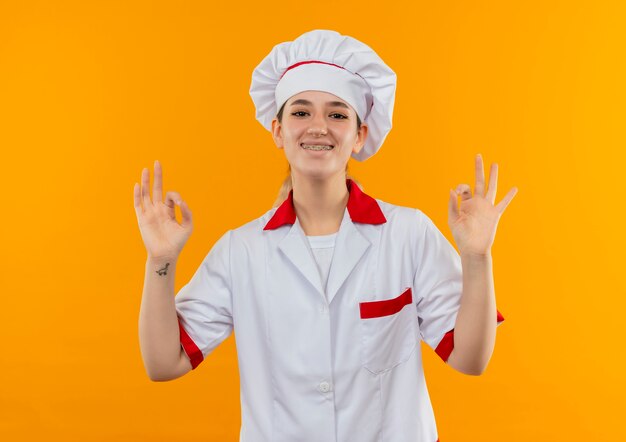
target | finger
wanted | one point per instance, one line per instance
(453, 202)
(502, 205)
(157, 190)
(137, 200)
(187, 217)
(479, 188)
(493, 183)
(172, 199)
(465, 191)
(145, 188)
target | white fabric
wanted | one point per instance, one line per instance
(314, 371)
(362, 79)
(327, 78)
(322, 247)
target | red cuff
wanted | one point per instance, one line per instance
(190, 347)
(500, 317)
(446, 345)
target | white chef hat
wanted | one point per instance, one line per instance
(327, 61)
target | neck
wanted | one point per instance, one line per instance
(320, 204)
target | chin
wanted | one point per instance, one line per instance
(316, 173)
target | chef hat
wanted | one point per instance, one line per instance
(327, 61)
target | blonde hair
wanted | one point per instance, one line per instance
(287, 185)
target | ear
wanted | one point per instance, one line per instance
(361, 136)
(277, 133)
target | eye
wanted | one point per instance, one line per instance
(340, 116)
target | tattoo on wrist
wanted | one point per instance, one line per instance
(163, 271)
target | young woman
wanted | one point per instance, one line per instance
(330, 291)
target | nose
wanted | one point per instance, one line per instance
(318, 126)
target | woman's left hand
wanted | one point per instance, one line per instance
(474, 223)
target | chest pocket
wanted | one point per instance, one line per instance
(389, 331)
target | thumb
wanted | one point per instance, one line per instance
(184, 209)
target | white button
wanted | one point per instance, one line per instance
(324, 309)
(324, 387)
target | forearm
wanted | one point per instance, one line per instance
(158, 324)
(475, 328)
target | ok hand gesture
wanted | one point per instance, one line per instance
(474, 223)
(161, 233)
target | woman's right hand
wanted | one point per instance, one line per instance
(162, 235)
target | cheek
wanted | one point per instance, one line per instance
(291, 133)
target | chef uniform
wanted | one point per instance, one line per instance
(328, 329)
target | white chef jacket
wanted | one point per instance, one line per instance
(346, 367)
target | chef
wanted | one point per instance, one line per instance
(330, 292)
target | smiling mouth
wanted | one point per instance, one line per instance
(316, 146)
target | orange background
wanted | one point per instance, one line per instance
(92, 92)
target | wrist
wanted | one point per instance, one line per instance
(160, 261)
(476, 256)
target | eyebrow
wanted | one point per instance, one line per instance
(330, 103)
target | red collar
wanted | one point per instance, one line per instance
(361, 207)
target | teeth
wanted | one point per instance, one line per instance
(316, 147)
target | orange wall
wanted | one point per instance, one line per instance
(92, 92)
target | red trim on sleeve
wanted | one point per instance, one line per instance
(446, 345)
(385, 307)
(190, 347)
